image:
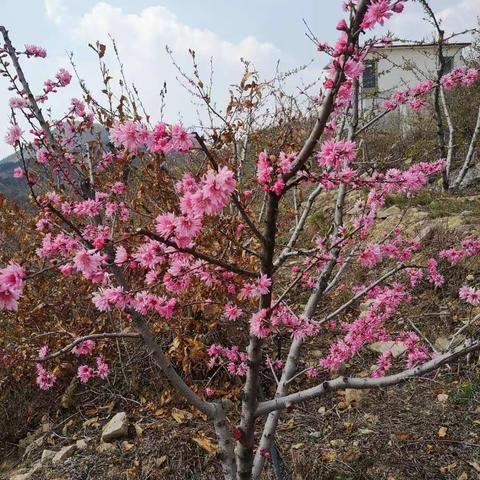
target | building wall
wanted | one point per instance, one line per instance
(403, 67)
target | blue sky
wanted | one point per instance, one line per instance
(260, 30)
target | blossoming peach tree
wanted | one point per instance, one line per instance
(213, 232)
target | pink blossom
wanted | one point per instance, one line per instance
(43, 156)
(377, 12)
(263, 285)
(45, 379)
(342, 25)
(88, 262)
(209, 392)
(398, 7)
(84, 348)
(336, 154)
(42, 353)
(181, 140)
(102, 368)
(165, 224)
(232, 312)
(104, 299)
(121, 255)
(11, 286)
(415, 275)
(470, 295)
(18, 172)
(258, 324)
(278, 187)
(35, 51)
(452, 255)
(66, 269)
(433, 274)
(353, 68)
(85, 373)
(13, 135)
(384, 363)
(285, 162)
(159, 138)
(371, 256)
(131, 135)
(17, 102)
(64, 77)
(118, 188)
(264, 169)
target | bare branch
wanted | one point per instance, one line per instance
(366, 383)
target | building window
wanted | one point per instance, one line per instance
(369, 79)
(448, 65)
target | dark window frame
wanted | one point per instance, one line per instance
(449, 63)
(370, 75)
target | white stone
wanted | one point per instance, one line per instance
(81, 444)
(21, 476)
(397, 348)
(63, 454)
(117, 427)
(47, 455)
(389, 212)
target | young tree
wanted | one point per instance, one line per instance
(446, 129)
(202, 226)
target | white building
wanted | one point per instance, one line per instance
(396, 67)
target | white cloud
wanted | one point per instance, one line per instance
(411, 25)
(141, 39)
(55, 10)
(461, 17)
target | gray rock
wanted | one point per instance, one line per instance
(397, 348)
(21, 476)
(117, 427)
(33, 446)
(64, 454)
(47, 456)
(81, 444)
(442, 343)
(389, 212)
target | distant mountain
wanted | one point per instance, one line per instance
(10, 159)
(16, 188)
(12, 188)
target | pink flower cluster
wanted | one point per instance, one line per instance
(13, 135)
(11, 286)
(236, 361)
(85, 373)
(470, 295)
(459, 77)
(45, 379)
(336, 154)
(262, 324)
(380, 10)
(415, 97)
(35, 51)
(270, 171)
(135, 136)
(255, 290)
(369, 327)
(84, 348)
(232, 312)
(398, 249)
(433, 274)
(208, 197)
